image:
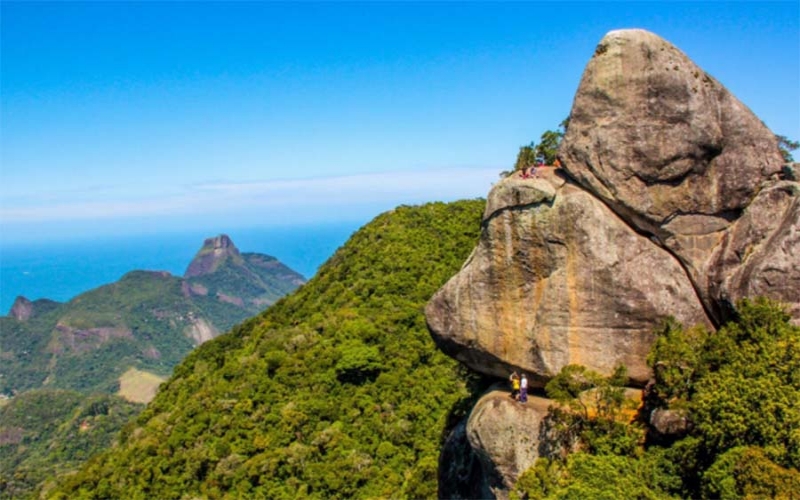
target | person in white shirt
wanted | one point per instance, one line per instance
(523, 389)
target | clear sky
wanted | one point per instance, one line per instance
(142, 117)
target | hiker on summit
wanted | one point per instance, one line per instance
(514, 379)
(529, 171)
(526, 172)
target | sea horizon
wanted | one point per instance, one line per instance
(62, 270)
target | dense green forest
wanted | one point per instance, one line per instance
(45, 432)
(336, 391)
(88, 342)
(739, 392)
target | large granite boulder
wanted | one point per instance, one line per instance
(557, 278)
(656, 137)
(669, 149)
(505, 436)
(674, 201)
(484, 456)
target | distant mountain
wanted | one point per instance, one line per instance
(336, 391)
(251, 281)
(147, 321)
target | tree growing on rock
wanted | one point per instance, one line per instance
(545, 151)
(786, 147)
(739, 387)
(596, 419)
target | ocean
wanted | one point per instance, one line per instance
(61, 270)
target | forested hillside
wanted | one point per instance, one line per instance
(147, 320)
(336, 391)
(46, 432)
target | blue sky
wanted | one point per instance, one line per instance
(146, 117)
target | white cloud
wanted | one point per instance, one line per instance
(285, 196)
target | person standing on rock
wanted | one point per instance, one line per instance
(523, 389)
(514, 378)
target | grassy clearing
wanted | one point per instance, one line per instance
(138, 386)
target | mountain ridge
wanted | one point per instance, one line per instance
(335, 391)
(150, 319)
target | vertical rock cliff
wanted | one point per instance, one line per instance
(670, 202)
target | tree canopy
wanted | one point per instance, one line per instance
(786, 146)
(738, 388)
(546, 151)
(336, 391)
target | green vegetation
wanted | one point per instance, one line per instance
(23, 351)
(45, 433)
(257, 279)
(146, 320)
(336, 391)
(525, 158)
(546, 151)
(89, 342)
(129, 333)
(739, 389)
(595, 412)
(786, 146)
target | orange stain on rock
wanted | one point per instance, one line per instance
(573, 344)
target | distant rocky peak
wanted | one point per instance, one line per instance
(215, 251)
(22, 309)
(221, 242)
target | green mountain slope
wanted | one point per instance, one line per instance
(334, 392)
(47, 432)
(146, 320)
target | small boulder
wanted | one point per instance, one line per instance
(669, 423)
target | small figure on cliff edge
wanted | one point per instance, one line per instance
(514, 379)
(528, 171)
(523, 389)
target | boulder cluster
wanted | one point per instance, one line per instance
(672, 200)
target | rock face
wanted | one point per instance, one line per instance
(213, 252)
(670, 203)
(673, 199)
(669, 149)
(760, 253)
(506, 436)
(485, 454)
(200, 330)
(460, 474)
(556, 279)
(246, 280)
(22, 309)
